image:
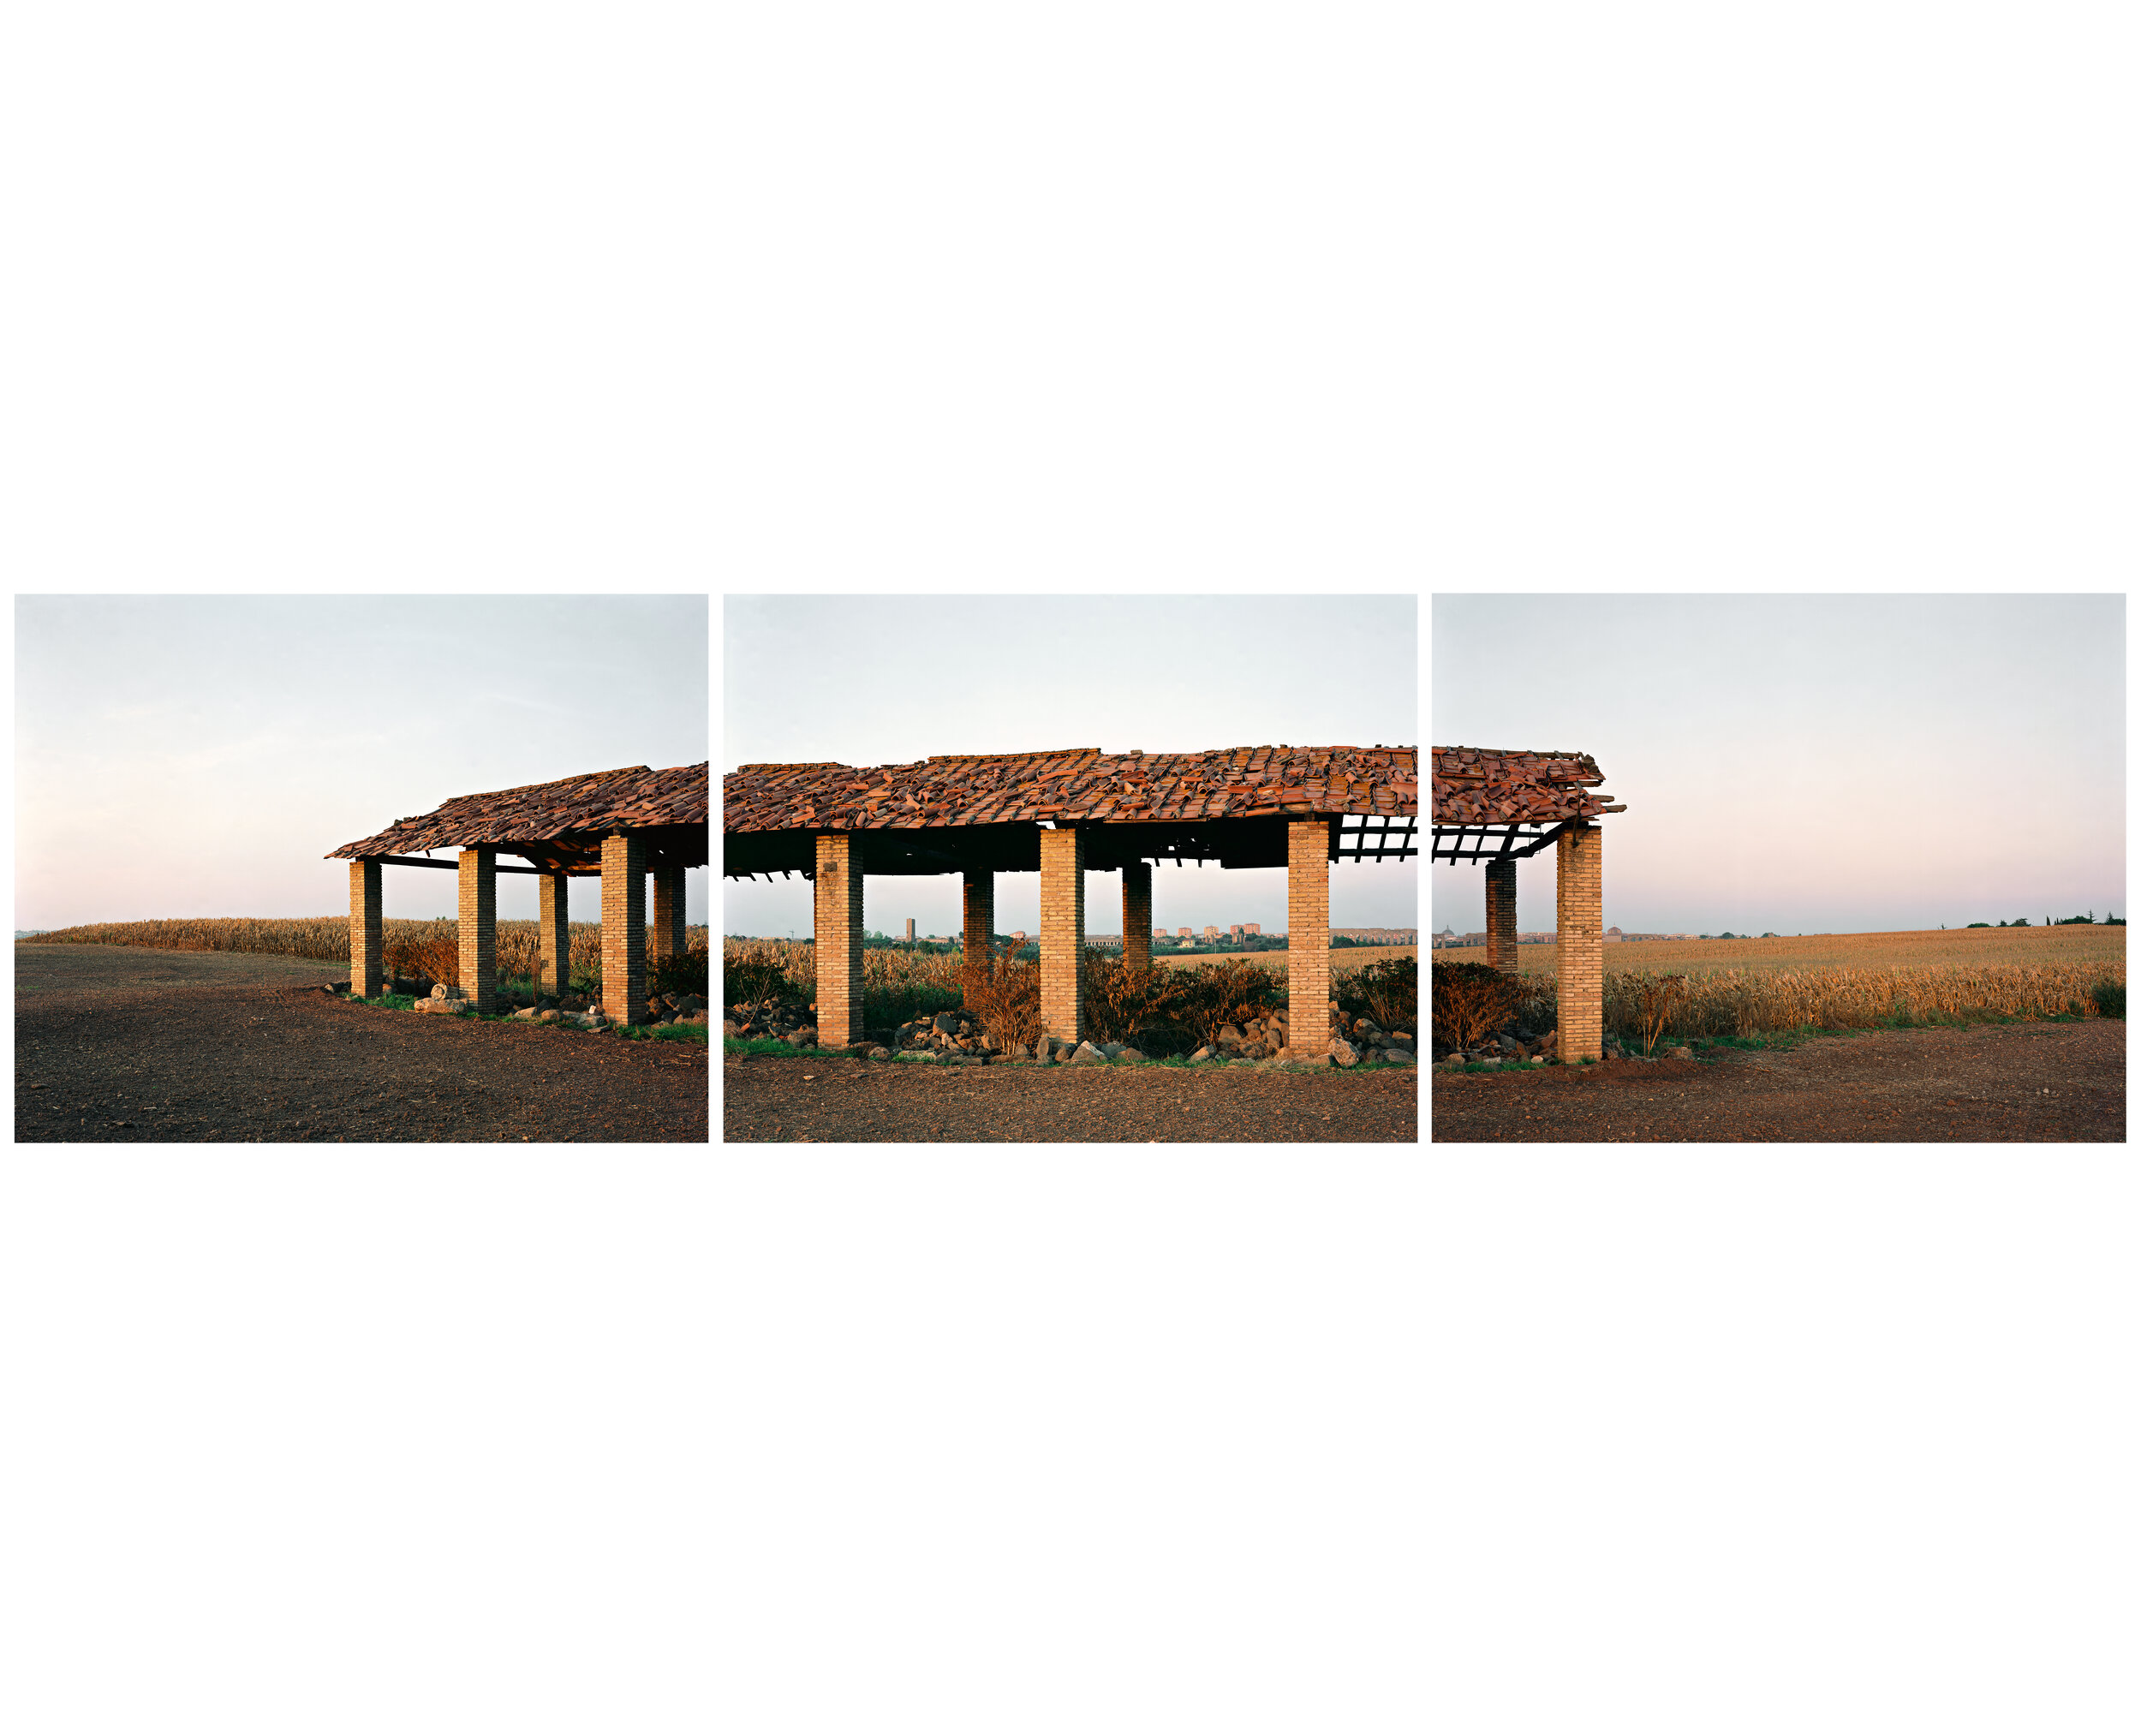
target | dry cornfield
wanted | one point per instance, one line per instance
(408, 945)
(1742, 1002)
(1900, 949)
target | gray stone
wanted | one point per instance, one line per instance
(1112, 1051)
(925, 1055)
(1203, 1055)
(1683, 1053)
(1087, 1056)
(1344, 1053)
(881, 1053)
(945, 1022)
(550, 1015)
(1399, 1057)
(1227, 1031)
(1130, 1055)
(528, 1012)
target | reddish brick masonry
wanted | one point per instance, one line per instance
(479, 928)
(553, 935)
(669, 912)
(1137, 916)
(978, 886)
(1062, 933)
(625, 927)
(838, 930)
(1501, 914)
(1579, 954)
(366, 926)
(1307, 938)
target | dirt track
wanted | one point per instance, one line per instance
(774, 1098)
(134, 1044)
(2027, 1082)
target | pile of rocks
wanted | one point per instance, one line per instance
(1517, 1047)
(958, 1038)
(788, 1022)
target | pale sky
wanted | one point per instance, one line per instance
(1807, 763)
(199, 756)
(880, 680)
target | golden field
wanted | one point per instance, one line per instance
(1921, 949)
(410, 946)
(1842, 981)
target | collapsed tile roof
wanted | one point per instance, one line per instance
(1491, 786)
(632, 798)
(1073, 783)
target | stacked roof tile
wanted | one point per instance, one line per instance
(1073, 783)
(631, 797)
(1495, 785)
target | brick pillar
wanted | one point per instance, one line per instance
(1579, 952)
(1501, 913)
(553, 936)
(1137, 917)
(1062, 934)
(667, 939)
(479, 927)
(367, 972)
(625, 927)
(979, 933)
(1308, 940)
(837, 933)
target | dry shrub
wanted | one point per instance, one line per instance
(1008, 1003)
(1386, 990)
(1471, 1000)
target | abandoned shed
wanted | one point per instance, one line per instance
(623, 825)
(1496, 805)
(1065, 814)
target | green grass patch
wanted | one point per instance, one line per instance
(632, 1033)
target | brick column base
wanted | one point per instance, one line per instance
(979, 933)
(367, 972)
(1501, 914)
(1137, 917)
(625, 927)
(837, 909)
(1308, 940)
(479, 928)
(1579, 965)
(1063, 933)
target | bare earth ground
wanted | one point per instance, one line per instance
(2009, 1082)
(127, 1043)
(771, 1097)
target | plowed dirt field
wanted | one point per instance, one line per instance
(134, 1044)
(2026, 1082)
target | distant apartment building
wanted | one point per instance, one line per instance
(1254, 928)
(1183, 933)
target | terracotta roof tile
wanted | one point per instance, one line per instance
(1078, 784)
(631, 796)
(1493, 786)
